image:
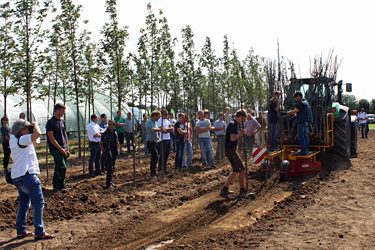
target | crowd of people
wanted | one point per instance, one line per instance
(235, 136)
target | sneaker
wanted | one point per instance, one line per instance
(225, 191)
(153, 177)
(301, 153)
(92, 175)
(244, 192)
(214, 167)
(63, 190)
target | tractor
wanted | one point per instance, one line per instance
(333, 130)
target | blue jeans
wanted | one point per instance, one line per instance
(303, 136)
(206, 148)
(129, 137)
(173, 142)
(364, 129)
(189, 149)
(273, 127)
(94, 156)
(145, 140)
(163, 156)
(179, 153)
(220, 150)
(30, 190)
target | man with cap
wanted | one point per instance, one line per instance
(24, 175)
(363, 119)
(273, 119)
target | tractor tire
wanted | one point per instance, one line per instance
(342, 139)
(285, 166)
(353, 139)
(266, 167)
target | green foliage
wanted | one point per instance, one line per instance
(187, 72)
(350, 101)
(372, 106)
(29, 17)
(7, 54)
(363, 103)
(113, 46)
(73, 67)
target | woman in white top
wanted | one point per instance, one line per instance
(24, 174)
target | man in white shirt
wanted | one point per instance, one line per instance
(94, 132)
(363, 119)
(219, 129)
(165, 140)
(203, 129)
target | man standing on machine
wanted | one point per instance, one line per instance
(273, 123)
(304, 119)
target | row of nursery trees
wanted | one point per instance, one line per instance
(57, 60)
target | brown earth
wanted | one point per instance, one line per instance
(333, 209)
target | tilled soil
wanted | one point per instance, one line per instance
(333, 209)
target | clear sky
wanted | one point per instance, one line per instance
(304, 29)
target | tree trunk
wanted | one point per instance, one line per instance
(77, 99)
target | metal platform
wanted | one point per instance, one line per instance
(312, 154)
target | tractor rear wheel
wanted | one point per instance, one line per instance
(342, 139)
(285, 166)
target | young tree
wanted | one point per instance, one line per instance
(187, 70)
(209, 61)
(226, 76)
(149, 51)
(30, 15)
(70, 16)
(167, 68)
(7, 53)
(113, 45)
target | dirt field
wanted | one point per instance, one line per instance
(334, 209)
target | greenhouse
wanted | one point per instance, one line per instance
(41, 113)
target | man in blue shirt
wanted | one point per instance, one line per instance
(304, 119)
(274, 119)
(130, 129)
(152, 140)
(58, 146)
(103, 125)
(231, 137)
